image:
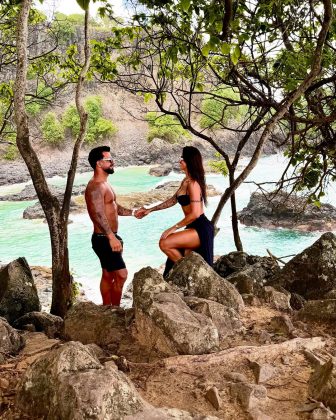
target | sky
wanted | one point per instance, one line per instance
(70, 6)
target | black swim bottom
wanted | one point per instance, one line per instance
(109, 260)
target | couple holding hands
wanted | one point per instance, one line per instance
(103, 209)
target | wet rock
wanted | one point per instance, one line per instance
(278, 300)
(50, 324)
(226, 320)
(10, 340)
(18, 294)
(70, 383)
(322, 383)
(161, 170)
(312, 273)
(164, 321)
(272, 211)
(212, 395)
(323, 310)
(90, 323)
(250, 396)
(196, 278)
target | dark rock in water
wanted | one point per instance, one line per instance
(29, 193)
(42, 321)
(36, 212)
(287, 211)
(312, 273)
(18, 294)
(161, 170)
(248, 273)
(10, 340)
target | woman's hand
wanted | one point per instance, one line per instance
(168, 232)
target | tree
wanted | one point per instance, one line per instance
(183, 52)
(56, 212)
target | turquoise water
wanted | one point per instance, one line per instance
(30, 238)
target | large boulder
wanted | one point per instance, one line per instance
(164, 322)
(42, 321)
(10, 340)
(322, 383)
(280, 209)
(319, 310)
(90, 323)
(69, 383)
(196, 278)
(161, 170)
(312, 273)
(18, 294)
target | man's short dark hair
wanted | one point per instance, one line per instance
(97, 154)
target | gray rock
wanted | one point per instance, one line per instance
(29, 193)
(226, 320)
(168, 414)
(163, 320)
(322, 383)
(270, 210)
(197, 278)
(282, 325)
(323, 310)
(50, 324)
(262, 372)
(161, 170)
(312, 273)
(278, 300)
(70, 383)
(236, 377)
(18, 294)
(10, 340)
(36, 212)
(90, 323)
(250, 396)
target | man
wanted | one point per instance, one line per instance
(103, 211)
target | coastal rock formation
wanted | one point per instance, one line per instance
(287, 211)
(50, 324)
(162, 170)
(10, 340)
(312, 273)
(70, 383)
(163, 320)
(18, 294)
(196, 278)
(90, 323)
(29, 193)
(36, 212)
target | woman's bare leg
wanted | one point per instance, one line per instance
(187, 239)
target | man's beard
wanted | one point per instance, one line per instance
(109, 171)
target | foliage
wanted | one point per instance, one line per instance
(52, 129)
(219, 165)
(98, 127)
(165, 127)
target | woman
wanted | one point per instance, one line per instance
(198, 234)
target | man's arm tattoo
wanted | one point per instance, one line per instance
(166, 204)
(122, 211)
(97, 211)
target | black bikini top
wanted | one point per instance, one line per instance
(183, 199)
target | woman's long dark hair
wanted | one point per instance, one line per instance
(193, 159)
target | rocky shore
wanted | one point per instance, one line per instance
(228, 343)
(270, 211)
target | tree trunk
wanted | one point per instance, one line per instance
(234, 220)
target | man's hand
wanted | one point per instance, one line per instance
(142, 212)
(115, 244)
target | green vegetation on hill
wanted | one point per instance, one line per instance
(165, 127)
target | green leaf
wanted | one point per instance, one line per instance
(84, 4)
(205, 50)
(225, 48)
(185, 4)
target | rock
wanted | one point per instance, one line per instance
(50, 324)
(168, 414)
(296, 301)
(257, 414)
(197, 278)
(322, 413)
(250, 396)
(226, 320)
(70, 383)
(10, 340)
(278, 300)
(18, 294)
(90, 323)
(163, 320)
(323, 310)
(331, 294)
(274, 210)
(36, 212)
(212, 395)
(262, 372)
(161, 170)
(282, 325)
(29, 193)
(235, 377)
(259, 268)
(322, 383)
(312, 273)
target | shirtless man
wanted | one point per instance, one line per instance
(104, 211)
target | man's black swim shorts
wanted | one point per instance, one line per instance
(109, 260)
